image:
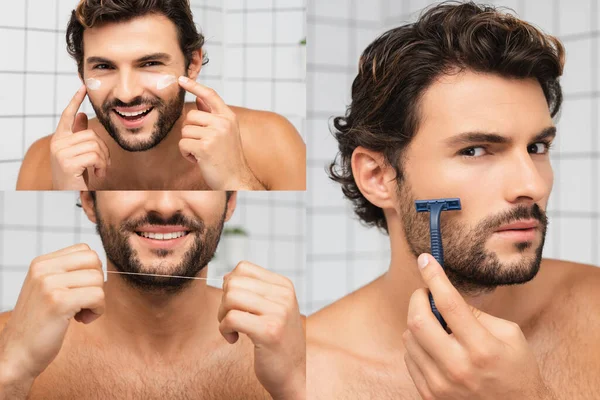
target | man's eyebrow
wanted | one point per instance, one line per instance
(98, 60)
(548, 133)
(468, 138)
(149, 57)
(154, 57)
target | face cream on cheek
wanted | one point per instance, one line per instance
(165, 81)
(93, 84)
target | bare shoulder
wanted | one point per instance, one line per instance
(35, 173)
(575, 283)
(4, 317)
(274, 149)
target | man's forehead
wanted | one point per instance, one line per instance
(131, 39)
(488, 103)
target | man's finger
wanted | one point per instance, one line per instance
(427, 331)
(246, 268)
(247, 301)
(67, 118)
(189, 149)
(62, 252)
(417, 378)
(262, 288)
(450, 303)
(81, 123)
(87, 135)
(207, 95)
(243, 322)
(203, 118)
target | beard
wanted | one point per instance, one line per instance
(472, 268)
(168, 114)
(125, 258)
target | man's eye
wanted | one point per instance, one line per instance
(102, 66)
(473, 152)
(539, 148)
(152, 64)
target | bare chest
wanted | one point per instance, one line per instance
(561, 356)
(568, 362)
(209, 376)
(347, 378)
(118, 178)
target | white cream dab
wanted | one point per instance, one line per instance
(93, 84)
(165, 81)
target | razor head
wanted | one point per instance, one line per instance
(446, 204)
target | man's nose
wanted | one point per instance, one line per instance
(525, 182)
(165, 203)
(128, 87)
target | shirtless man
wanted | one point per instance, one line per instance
(74, 336)
(459, 104)
(129, 56)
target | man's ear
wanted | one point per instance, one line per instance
(87, 203)
(231, 204)
(195, 64)
(375, 178)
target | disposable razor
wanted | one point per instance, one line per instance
(435, 208)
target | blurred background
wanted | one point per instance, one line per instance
(256, 49)
(342, 255)
(266, 229)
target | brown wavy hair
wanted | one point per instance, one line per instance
(396, 69)
(91, 13)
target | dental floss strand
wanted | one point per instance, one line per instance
(169, 276)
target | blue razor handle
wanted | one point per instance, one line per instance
(435, 208)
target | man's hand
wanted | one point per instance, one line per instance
(483, 358)
(211, 138)
(262, 305)
(59, 286)
(74, 148)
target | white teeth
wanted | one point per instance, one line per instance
(162, 236)
(135, 114)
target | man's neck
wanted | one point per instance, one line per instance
(159, 323)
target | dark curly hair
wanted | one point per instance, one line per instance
(397, 68)
(91, 13)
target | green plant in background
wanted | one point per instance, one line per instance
(303, 42)
(234, 231)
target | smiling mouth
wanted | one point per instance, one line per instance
(134, 116)
(163, 236)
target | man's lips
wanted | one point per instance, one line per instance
(520, 225)
(162, 237)
(162, 228)
(520, 231)
(132, 110)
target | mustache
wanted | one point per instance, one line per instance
(156, 219)
(138, 101)
(518, 213)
